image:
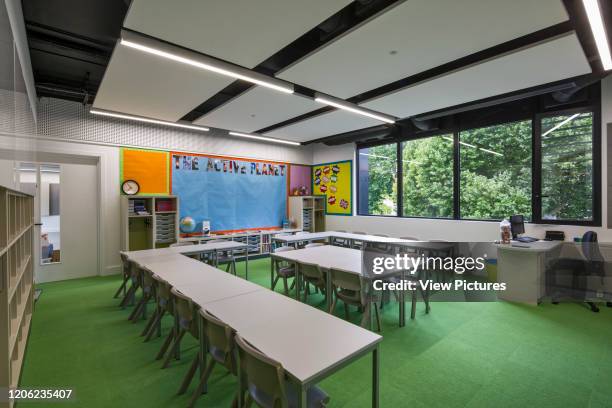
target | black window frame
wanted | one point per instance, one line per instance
(536, 164)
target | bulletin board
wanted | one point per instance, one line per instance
(335, 182)
(232, 194)
(149, 168)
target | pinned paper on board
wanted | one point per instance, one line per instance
(149, 168)
(334, 181)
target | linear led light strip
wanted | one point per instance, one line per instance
(597, 27)
(340, 104)
(387, 158)
(148, 120)
(474, 147)
(266, 139)
(137, 42)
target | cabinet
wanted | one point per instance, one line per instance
(16, 282)
(308, 212)
(148, 222)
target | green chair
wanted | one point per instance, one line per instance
(356, 243)
(186, 312)
(220, 346)
(353, 290)
(266, 384)
(163, 299)
(311, 274)
(283, 269)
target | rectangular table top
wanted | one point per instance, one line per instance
(305, 340)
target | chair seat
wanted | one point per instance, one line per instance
(286, 271)
(315, 397)
(349, 296)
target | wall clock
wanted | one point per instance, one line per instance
(130, 187)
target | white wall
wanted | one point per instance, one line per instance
(453, 230)
(67, 133)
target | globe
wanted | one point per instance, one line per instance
(187, 224)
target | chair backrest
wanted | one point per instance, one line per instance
(147, 278)
(438, 240)
(359, 232)
(590, 247)
(220, 340)
(339, 231)
(284, 249)
(302, 232)
(310, 270)
(345, 280)
(182, 243)
(185, 311)
(263, 376)
(381, 235)
(410, 238)
(314, 244)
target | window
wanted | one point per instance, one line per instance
(427, 177)
(495, 171)
(567, 167)
(545, 167)
(377, 180)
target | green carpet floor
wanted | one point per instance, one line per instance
(460, 355)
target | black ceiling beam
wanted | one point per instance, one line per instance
(514, 45)
(351, 16)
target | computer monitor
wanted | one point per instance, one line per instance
(517, 225)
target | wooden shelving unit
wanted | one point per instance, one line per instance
(157, 228)
(16, 282)
(308, 212)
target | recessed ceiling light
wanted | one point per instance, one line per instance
(264, 138)
(168, 51)
(340, 104)
(148, 120)
(597, 27)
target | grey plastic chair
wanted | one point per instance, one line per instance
(185, 311)
(283, 269)
(311, 274)
(135, 278)
(126, 275)
(148, 293)
(163, 305)
(224, 257)
(265, 382)
(314, 244)
(220, 347)
(356, 243)
(410, 238)
(353, 290)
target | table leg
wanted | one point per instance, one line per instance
(203, 351)
(271, 271)
(414, 302)
(302, 396)
(375, 377)
(328, 292)
(246, 264)
(402, 305)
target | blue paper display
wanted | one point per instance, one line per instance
(232, 194)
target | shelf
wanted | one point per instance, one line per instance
(14, 240)
(16, 329)
(17, 364)
(24, 267)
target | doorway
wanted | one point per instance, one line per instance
(66, 218)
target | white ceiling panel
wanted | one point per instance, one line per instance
(323, 125)
(142, 84)
(423, 34)
(257, 108)
(245, 32)
(548, 62)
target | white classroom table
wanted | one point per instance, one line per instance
(292, 334)
(334, 257)
(198, 249)
(310, 344)
(328, 235)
